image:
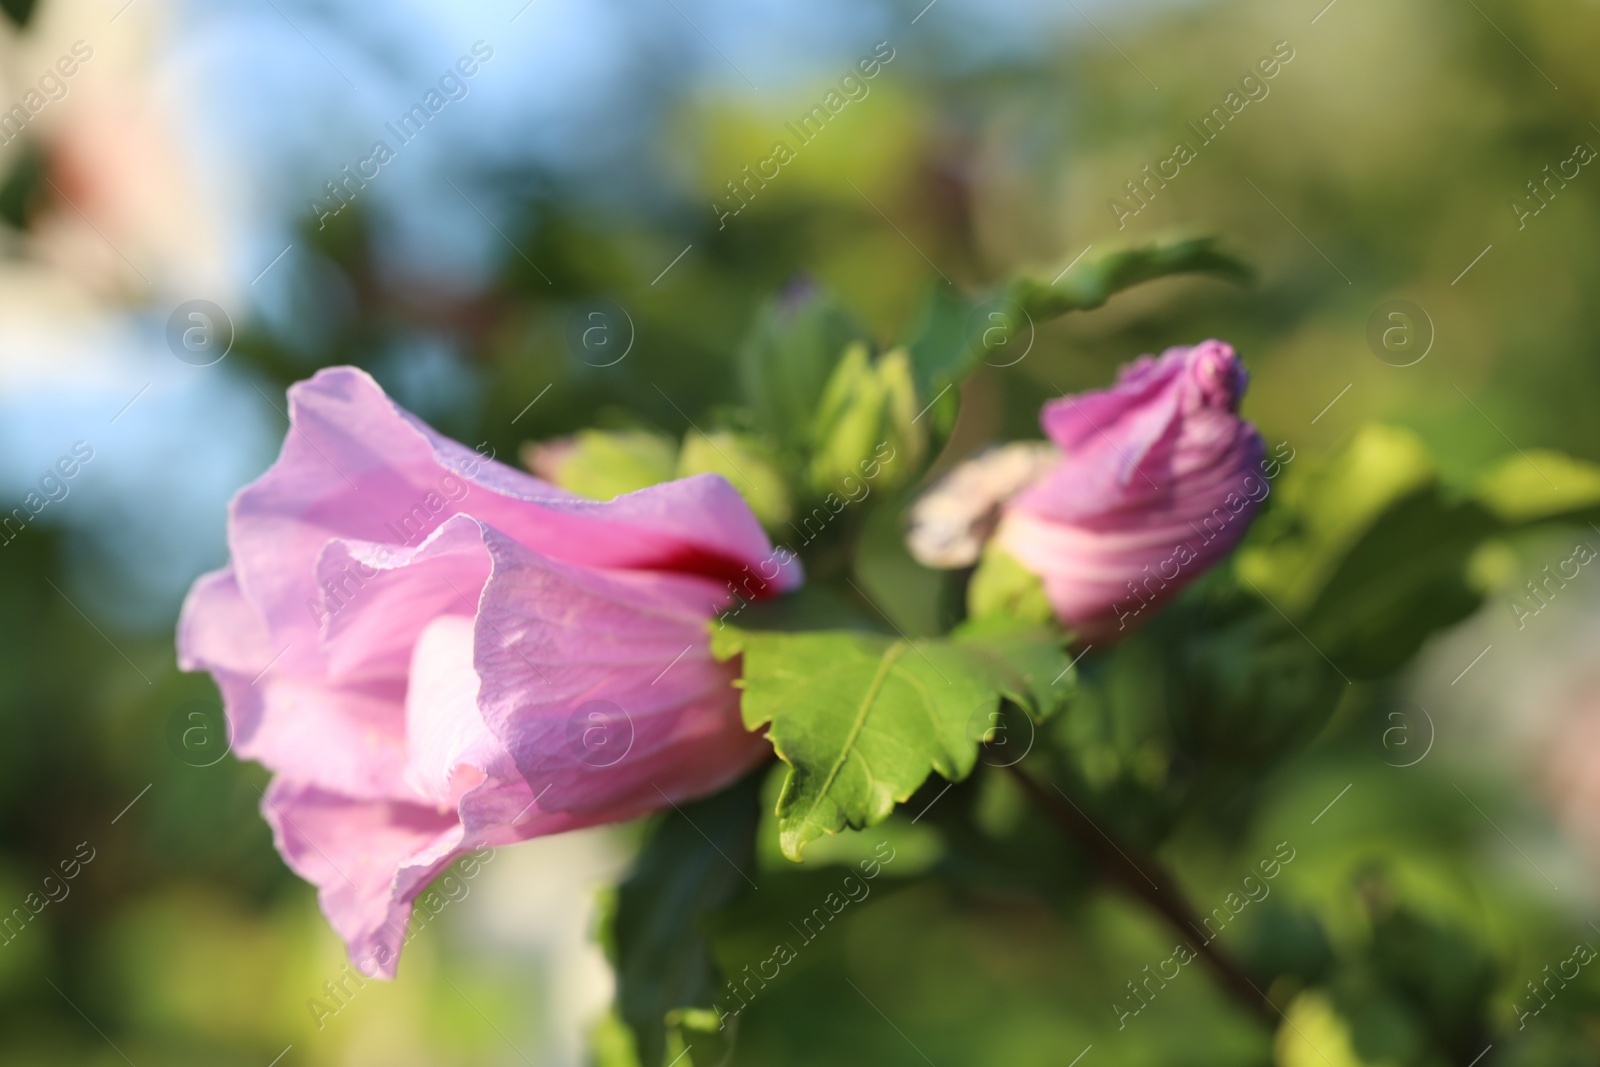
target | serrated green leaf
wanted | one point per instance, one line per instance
(695, 862)
(1026, 658)
(863, 719)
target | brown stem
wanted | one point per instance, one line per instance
(1139, 879)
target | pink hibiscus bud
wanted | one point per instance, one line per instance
(1159, 478)
(435, 653)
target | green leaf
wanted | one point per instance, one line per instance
(1026, 661)
(786, 361)
(695, 863)
(601, 464)
(1540, 485)
(1370, 555)
(747, 464)
(1402, 582)
(1002, 586)
(1320, 510)
(1096, 280)
(941, 350)
(19, 11)
(863, 719)
(951, 331)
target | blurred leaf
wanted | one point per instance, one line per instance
(1314, 1035)
(19, 187)
(611, 1042)
(811, 607)
(918, 601)
(1443, 973)
(601, 464)
(951, 331)
(1091, 283)
(942, 352)
(1284, 940)
(863, 719)
(1371, 557)
(747, 464)
(865, 419)
(700, 1037)
(19, 11)
(1403, 581)
(1321, 509)
(1003, 586)
(1541, 485)
(787, 358)
(1243, 686)
(695, 862)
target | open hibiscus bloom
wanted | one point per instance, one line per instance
(434, 652)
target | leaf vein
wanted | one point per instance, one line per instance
(868, 699)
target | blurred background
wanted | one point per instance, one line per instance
(155, 153)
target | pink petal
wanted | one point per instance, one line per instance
(450, 750)
(603, 687)
(354, 852)
(371, 859)
(378, 598)
(347, 737)
(356, 466)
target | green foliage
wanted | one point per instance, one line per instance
(696, 861)
(787, 360)
(602, 464)
(829, 410)
(862, 719)
(25, 178)
(1091, 283)
(951, 332)
(748, 464)
(1540, 485)
(19, 11)
(1319, 510)
(1370, 554)
(1002, 586)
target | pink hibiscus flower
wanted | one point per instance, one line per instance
(433, 652)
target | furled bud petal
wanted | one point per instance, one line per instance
(1158, 481)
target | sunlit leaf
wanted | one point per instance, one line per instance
(863, 719)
